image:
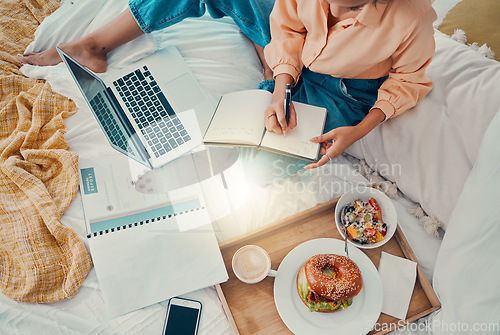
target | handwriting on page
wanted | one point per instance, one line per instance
(292, 143)
(303, 148)
(234, 132)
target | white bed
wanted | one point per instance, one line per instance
(437, 147)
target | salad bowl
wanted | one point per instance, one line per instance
(368, 217)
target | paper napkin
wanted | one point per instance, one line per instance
(398, 280)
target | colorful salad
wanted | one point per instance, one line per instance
(363, 221)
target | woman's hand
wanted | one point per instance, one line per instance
(343, 137)
(275, 118)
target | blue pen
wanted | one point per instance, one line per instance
(287, 102)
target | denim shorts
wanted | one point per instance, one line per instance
(251, 16)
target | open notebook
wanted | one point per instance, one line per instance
(239, 121)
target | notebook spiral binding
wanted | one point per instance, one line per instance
(141, 223)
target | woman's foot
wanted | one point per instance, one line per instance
(91, 50)
(84, 52)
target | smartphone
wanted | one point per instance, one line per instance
(183, 317)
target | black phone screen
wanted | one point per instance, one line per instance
(181, 320)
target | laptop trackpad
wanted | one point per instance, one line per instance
(184, 92)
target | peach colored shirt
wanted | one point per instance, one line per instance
(394, 38)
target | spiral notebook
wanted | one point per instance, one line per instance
(146, 246)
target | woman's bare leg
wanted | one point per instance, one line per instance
(92, 49)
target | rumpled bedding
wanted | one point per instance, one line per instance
(41, 260)
(221, 60)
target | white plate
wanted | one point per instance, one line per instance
(359, 318)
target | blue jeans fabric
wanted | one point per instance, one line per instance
(346, 100)
(251, 16)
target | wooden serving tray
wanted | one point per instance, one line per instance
(250, 307)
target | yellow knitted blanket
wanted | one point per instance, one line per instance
(40, 259)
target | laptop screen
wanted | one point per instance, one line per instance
(114, 126)
(89, 84)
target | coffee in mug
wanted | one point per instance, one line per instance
(251, 264)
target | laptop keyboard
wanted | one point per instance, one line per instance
(150, 109)
(108, 122)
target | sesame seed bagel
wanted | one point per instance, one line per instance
(345, 284)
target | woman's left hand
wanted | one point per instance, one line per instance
(342, 138)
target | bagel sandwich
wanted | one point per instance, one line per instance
(320, 303)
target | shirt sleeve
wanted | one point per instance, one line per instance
(407, 83)
(283, 54)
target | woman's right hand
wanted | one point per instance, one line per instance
(275, 118)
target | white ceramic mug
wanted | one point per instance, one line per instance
(251, 264)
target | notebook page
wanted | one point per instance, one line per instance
(239, 118)
(310, 123)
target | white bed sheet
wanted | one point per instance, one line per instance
(439, 139)
(222, 60)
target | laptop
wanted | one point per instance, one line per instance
(153, 111)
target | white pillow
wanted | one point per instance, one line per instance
(467, 267)
(430, 150)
